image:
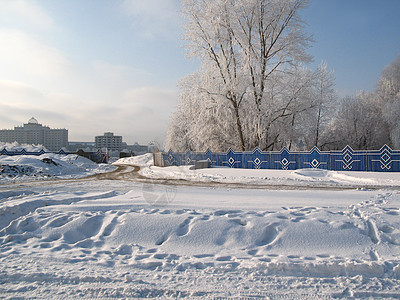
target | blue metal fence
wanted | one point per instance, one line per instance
(383, 160)
(4, 151)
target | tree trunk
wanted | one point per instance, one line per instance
(239, 126)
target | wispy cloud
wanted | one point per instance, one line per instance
(114, 72)
(153, 18)
(22, 101)
(87, 94)
(11, 91)
(17, 12)
(139, 114)
(22, 53)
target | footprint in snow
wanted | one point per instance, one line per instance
(252, 252)
(298, 219)
(268, 236)
(110, 227)
(87, 243)
(297, 214)
(372, 231)
(88, 229)
(386, 228)
(162, 239)
(184, 227)
(142, 256)
(374, 255)
(202, 255)
(347, 225)
(92, 226)
(124, 250)
(52, 237)
(60, 221)
(224, 258)
(160, 256)
(240, 222)
(393, 213)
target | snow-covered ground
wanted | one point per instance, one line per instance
(111, 239)
(297, 178)
(145, 160)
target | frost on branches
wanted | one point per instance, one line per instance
(246, 49)
(371, 119)
(388, 91)
(253, 89)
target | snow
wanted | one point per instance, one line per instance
(48, 166)
(296, 178)
(144, 160)
(15, 146)
(116, 239)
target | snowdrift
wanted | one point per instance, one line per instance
(144, 160)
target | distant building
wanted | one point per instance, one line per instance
(109, 141)
(135, 148)
(36, 134)
(85, 146)
(96, 156)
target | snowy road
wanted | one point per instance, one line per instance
(121, 238)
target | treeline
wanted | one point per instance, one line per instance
(370, 119)
(253, 89)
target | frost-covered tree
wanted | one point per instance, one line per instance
(388, 91)
(360, 123)
(371, 119)
(283, 120)
(245, 48)
(325, 103)
(270, 37)
(202, 121)
(209, 36)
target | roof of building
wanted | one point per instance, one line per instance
(33, 121)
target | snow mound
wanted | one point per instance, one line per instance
(144, 160)
(49, 165)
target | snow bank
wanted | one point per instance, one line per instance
(49, 165)
(144, 160)
(302, 177)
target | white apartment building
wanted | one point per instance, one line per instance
(109, 141)
(36, 134)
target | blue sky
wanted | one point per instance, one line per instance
(357, 38)
(97, 66)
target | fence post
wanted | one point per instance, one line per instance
(158, 159)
